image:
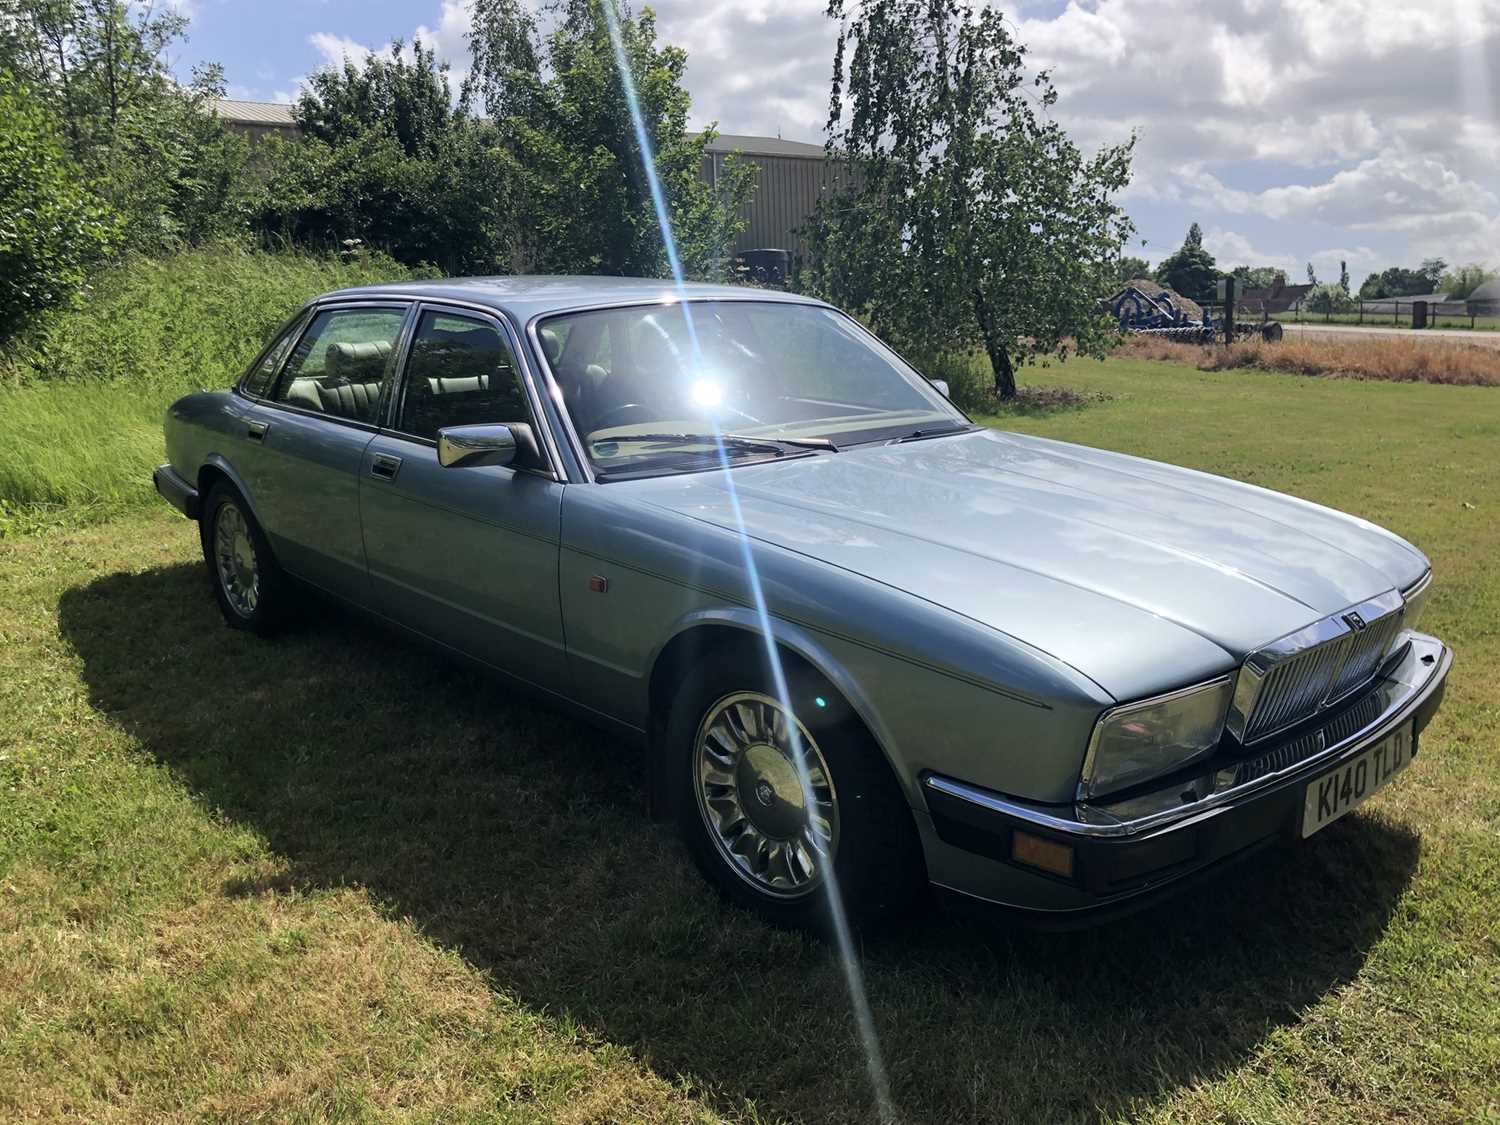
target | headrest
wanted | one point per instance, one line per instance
(551, 345)
(357, 363)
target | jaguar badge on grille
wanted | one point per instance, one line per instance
(1355, 622)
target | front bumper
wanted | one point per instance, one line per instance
(1124, 850)
(178, 492)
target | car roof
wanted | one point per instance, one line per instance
(524, 296)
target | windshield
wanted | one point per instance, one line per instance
(649, 387)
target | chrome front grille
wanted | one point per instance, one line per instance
(1300, 675)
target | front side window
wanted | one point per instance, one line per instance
(654, 388)
(461, 373)
(340, 365)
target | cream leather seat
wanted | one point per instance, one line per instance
(350, 384)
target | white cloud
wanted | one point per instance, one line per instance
(1365, 124)
(338, 49)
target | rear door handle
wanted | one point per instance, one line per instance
(256, 431)
(385, 467)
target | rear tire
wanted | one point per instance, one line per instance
(251, 589)
(742, 810)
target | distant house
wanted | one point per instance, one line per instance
(791, 176)
(1485, 301)
(257, 120)
(1278, 298)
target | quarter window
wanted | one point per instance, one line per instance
(461, 373)
(258, 380)
(341, 364)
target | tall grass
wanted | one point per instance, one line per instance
(1387, 359)
(82, 395)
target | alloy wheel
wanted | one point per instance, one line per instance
(777, 826)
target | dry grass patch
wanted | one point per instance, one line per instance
(1388, 360)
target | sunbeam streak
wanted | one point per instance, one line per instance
(853, 976)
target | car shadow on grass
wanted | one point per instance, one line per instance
(516, 836)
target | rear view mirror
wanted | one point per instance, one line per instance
(941, 386)
(476, 445)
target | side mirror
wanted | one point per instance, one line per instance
(477, 445)
(941, 386)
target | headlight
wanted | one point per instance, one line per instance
(1416, 601)
(1143, 740)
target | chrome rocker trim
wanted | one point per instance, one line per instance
(1410, 689)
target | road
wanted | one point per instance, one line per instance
(1429, 335)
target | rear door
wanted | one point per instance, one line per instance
(466, 555)
(304, 443)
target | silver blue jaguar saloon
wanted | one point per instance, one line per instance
(866, 645)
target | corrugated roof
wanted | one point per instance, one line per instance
(279, 114)
(256, 113)
(764, 146)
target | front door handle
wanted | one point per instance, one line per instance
(385, 467)
(256, 431)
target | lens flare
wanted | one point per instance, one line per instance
(853, 977)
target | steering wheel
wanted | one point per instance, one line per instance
(609, 419)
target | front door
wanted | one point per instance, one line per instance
(466, 555)
(303, 450)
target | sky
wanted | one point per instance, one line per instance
(1292, 131)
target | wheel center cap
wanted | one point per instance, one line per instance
(772, 795)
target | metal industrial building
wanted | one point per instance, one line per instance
(791, 176)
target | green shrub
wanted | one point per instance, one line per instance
(1328, 298)
(82, 396)
(191, 319)
(52, 227)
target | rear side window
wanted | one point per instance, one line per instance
(342, 362)
(259, 379)
(462, 372)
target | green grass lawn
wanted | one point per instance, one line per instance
(328, 876)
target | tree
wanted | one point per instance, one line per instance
(1344, 277)
(52, 228)
(1312, 277)
(151, 148)
(1130, 269)
(1328, 298)
(409, 98)
(1258, 277)
(968, 215)
(1191, 270)
(1432, 270)
(1399, 282)
(559, 104)
(1459, 282)
(386, 157)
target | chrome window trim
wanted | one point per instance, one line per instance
(309, 314)
(1259, 664)
(555, 470)
(1086, 776)
(292, 327)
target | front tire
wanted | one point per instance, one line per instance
(248, 585)
(768, 836)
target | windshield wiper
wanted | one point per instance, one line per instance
(797, 442)
(735, 441)
(918, 435)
